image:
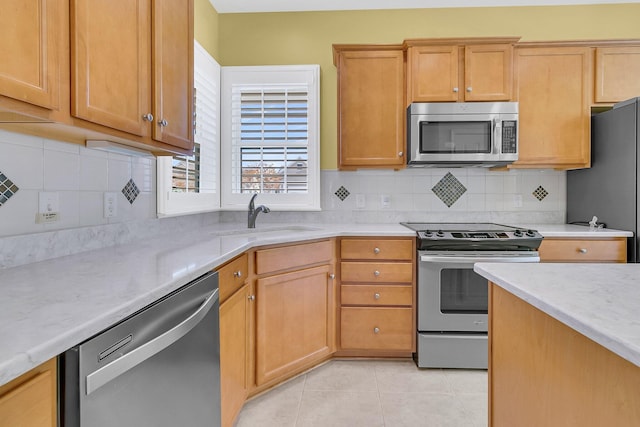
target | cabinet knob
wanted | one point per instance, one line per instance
(376, 250)
(237, 273)
(332, 276)
(148, 117)
(163, 122)
(582, 250)
(251, 297)
(469, 89)
(376, 330)
(400, 153)
(376, 273)
(455, 90)
(376, 296)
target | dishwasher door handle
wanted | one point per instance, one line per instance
(100, 377)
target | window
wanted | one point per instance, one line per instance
(189, 184)
(270, 128)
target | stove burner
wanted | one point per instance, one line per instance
(474, 236)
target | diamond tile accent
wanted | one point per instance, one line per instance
(131, 191)
(540, 193)
(7, 188)
(449, 189)
(342, 193)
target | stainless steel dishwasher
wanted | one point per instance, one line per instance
(159, 367)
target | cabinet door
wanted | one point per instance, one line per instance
(488, 72)
(292, 324)
(433, 73)
(31, 400)
(553, 90)
(110, 63)
(617, 71)
(234, 353)
(30, 46)
(173, 72)
(371, 111)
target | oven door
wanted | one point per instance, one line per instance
(451, 296)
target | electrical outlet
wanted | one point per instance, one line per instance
(385, 201)
(110, 205)
(48, 207)
(517, 201)
(360, 201)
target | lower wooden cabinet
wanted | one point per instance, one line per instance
(376, 328)
(31, 400)
(235, 352)
(583, 250)
(293, 317)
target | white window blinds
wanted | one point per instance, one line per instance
(271, 118)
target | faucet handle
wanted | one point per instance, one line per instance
(251, 205)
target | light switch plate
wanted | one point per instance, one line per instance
(385, 201)
(360, 201)
(48, 207)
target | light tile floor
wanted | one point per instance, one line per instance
(372, 393)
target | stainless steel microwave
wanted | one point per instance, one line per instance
(453, 134)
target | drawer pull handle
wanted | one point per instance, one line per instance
(237, 273)
(376, 295)
(376, 330)
(582, 250)
(376, 250)
(376, 273)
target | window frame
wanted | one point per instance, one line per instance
(269, 76)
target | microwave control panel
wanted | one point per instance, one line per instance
(509, 133)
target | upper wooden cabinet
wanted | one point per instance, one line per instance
(132, 67)
(371, 108)
(616, 73)
(31, 48)
(552, 86)
(449, 70)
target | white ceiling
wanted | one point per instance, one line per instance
(250, 6)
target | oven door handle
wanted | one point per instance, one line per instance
(472, 259)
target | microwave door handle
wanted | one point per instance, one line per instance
(496, 135)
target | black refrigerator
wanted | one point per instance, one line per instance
(610, 188)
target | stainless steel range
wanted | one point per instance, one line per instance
(452, 299)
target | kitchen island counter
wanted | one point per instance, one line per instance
(564, 344)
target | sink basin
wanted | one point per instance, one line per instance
(266, 231)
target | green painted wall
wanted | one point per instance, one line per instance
(306, 37)
(205, 27)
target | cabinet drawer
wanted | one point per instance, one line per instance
(376, 295)
(583, 250)
(286, 257)
(232, 276)
(378, 328)
(376, 249)
(371, 272)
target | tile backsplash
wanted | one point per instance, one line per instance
(81, 177)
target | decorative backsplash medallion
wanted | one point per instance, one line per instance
(342, 193)
(7, 188)
(131, 191)
(449, 189)
(540, 193)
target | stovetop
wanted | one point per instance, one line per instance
(474, 236)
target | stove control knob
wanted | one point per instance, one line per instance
(428, 233)
(517, 233)
(440, 233)
(531, 233)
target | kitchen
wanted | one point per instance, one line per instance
(491, 196)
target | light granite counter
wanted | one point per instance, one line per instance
(600, 301)
(574, 231)
(50, 306)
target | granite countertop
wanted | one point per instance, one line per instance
(50, 306)
(600, 301)
(574, 231)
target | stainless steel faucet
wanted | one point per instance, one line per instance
(253, 212)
